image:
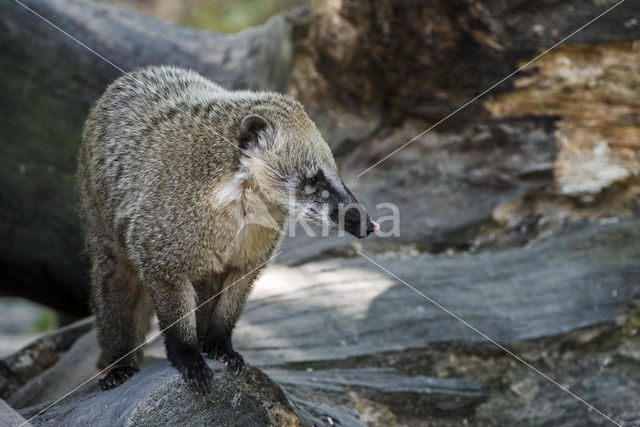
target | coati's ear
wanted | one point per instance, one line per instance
(252, 128)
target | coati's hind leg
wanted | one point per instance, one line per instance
(225, 313)
(123, 313)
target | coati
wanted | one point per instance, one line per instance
(184, 191)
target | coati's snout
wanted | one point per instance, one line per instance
(358, 224)
(349, 215)
(324, 199)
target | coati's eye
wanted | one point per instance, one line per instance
(315, 179)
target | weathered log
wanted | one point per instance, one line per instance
(424, 58)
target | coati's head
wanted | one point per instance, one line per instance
(294, 167)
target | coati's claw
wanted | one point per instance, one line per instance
(117, 376)
(187, 359)
(217, 345)
(233, 360)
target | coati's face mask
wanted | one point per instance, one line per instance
(297, 172)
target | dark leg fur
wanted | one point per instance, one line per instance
(175, 305)
(188, 360)
(117, 376)
(222, 314)
(206, 289)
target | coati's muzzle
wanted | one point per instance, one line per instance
(352, 217)
(358, 223)
(345, 211)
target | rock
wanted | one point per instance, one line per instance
(565, 304)
(598, 363)
(343, 307)
(9, 417)
(157, 395)
(153, 392)
(418, 395)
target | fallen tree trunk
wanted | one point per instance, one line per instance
(423, 59)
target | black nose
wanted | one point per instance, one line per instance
(370, 227)
(358, 223)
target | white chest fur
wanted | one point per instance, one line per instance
(250, 228)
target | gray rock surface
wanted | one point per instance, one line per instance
(156, 396)
(9, 417)
(160, 397)
(342, 307)
(418, 395)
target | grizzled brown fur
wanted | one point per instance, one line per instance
(185, 188)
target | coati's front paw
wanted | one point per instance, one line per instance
(188, 360)
(117, 376)
(197, 374)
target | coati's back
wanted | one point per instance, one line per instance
(147, 140)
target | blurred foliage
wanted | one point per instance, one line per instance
(45, 322)
(230, 16)
(226, 16)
